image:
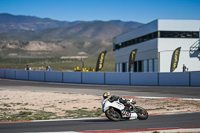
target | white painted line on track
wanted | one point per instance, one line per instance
(148, 130)
(79, 119)
(173, 113)
(173, 98)
(179, 130)
(55, 132)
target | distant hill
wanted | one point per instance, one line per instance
(129, 24)
(35, 34)
(9, 22)
(19, 23)
(93, 30)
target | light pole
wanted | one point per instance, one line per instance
(82, 62)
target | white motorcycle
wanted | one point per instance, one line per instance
(116, 111)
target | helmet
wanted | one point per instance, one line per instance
(106, 95)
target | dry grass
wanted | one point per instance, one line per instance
(28, 105)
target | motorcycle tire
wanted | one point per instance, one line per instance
(142, 113)
(113, 114)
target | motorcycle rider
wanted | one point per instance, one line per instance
(122, 100)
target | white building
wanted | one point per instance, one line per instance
(156, 42)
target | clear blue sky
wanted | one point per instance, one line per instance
(126, 10)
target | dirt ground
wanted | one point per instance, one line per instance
(58, 103)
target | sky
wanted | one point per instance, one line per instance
(143, 11)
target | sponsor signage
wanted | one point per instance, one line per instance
(132, 59)
(100, 61)
(175, 59)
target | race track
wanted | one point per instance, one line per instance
(163, 121)
(152, 91)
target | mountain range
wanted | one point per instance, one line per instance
(30, 33)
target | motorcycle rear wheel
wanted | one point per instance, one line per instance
(113, 114)
(142, 113)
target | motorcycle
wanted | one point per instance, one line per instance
(116, 111)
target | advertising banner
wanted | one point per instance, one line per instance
(175, 59)
(100, 61)
(132, 59)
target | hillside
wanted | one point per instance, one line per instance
(93, 30)
(31, 33)
(13, 23)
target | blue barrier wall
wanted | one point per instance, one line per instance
(117, 78)
(53, 76)
(174, 79)
(160, 79)
(195, 78)
(144, 78)
(93, 78)
(37, 75)
(72, 77)
(21, 74)
(10, 73)
(2, 75)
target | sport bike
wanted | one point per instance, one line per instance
(116, 111)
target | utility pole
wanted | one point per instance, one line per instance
(82, 62)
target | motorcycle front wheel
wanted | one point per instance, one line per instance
(113, 114)
(142, 113)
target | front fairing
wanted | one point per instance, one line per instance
(106, 104)
(103, 104)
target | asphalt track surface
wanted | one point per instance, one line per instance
(150, 91)
(163, 121)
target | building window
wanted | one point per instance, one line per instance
(124, 67)
(140, 66)
(135, 66)
(179, 34)
(157, 34)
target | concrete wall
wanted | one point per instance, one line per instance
(37, 75)
(144, 79)
(72, 77)
(54, 76)
(195, 78)
(117, 78)
(109, 78)
(93, 77)
(10, 73)
(21, 74)
(2, 73)
(174, 79)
